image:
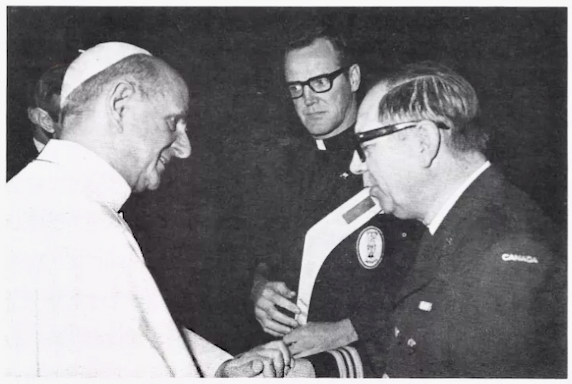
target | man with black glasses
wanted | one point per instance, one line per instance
(349, 304)
(486, 296)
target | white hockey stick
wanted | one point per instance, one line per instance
(324, 236)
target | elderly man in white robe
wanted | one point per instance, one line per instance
(79, 300)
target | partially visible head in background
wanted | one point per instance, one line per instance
(44, 104)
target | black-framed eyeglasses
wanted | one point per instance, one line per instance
(362, 137)
(319, 84)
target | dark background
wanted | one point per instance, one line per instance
(193, 230)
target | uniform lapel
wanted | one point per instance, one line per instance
(423, 269)
(434, 251)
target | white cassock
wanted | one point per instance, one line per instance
(79, 300)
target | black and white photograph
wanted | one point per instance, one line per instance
(286, 192)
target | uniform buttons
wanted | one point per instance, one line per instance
(411, 344)
(398, 336)
(403, 234)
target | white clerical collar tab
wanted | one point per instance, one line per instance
(321, 145)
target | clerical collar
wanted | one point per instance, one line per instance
(438, 219)
(92, 173)
(341, 142)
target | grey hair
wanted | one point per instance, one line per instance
(431, 91)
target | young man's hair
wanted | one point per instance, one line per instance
(432, 91)
(47, 89)
(304, 36)
(140, 69)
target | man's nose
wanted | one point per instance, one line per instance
(182, 145)
(309, 95)
(357, 167)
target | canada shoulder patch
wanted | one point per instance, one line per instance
(523, 258)
(370, 247)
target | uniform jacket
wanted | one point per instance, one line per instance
(485, 297)
(318, 182)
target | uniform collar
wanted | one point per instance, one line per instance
(438, 219)
(341, 142)
(89, 171)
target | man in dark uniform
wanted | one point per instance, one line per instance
(351, 299)
(486, 295)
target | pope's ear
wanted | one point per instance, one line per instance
(429, 142)
(120, 97)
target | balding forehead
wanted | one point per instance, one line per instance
(368, 114)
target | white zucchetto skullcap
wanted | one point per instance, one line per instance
(93, 61)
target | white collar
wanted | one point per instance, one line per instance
(39, 145)
(321, 145)
(438, 219)
(90, 171)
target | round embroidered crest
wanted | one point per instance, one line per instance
(370, 247)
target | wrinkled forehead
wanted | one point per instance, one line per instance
(368, 113)
(172, 83)
(178, 100)
(180, 89)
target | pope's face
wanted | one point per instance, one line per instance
(161, 134)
